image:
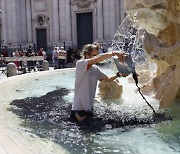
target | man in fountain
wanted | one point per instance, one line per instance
(86, 76)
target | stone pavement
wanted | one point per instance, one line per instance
(7, 144)
(3, 75)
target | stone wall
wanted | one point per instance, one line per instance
(21, 18)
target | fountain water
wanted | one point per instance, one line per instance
(37, 118)
(129, 38)
(161, 21)
(35, 113)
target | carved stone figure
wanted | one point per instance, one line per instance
(110, 90)
(82, 3)
(161, 20)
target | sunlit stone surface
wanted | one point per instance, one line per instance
(110, 90)
(161, 20)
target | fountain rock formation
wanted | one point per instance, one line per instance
(110, 90)
(161, 21)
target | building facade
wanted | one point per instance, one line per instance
(48, 23)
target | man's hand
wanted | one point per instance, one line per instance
(119, 74)
(121, 55)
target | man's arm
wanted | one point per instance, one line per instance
(109, 79)
(104, 56)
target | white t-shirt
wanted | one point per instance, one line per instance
(85, 85)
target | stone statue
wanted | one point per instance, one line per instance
(110, 90)
(161, 21)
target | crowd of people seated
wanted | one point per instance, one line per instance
(26, 65)
(61, 58)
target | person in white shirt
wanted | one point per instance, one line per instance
(62, 56)
(55, 57)
(86, 76)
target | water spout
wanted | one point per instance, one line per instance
(151, 34)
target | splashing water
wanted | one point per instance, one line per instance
(129, 38)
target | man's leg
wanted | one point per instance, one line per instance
(60, 63)
(63, 63)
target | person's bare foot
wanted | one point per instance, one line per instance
(79, 118)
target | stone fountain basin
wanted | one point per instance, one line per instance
(10, 141)
(20, 137)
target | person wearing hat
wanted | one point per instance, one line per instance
(62, 56)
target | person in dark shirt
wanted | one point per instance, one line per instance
(30, 64)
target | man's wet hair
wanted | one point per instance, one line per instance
(88, 48)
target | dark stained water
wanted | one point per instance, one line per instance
(48, 117)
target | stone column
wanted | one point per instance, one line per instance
(9, 21)
(122, 10)
(112, 18)
(62, 20)
(106, 19)
(23, 21)
(49, 3)
(55, 20)
(68, 22)
(29, 20)
(15, 22)
(3, 21)
(117, 14)
(100, 27)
